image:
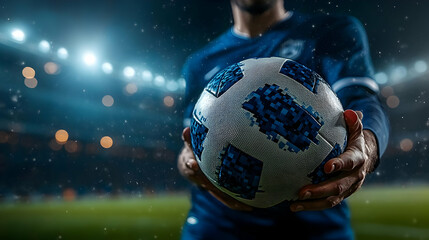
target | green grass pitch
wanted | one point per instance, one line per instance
(377, 213)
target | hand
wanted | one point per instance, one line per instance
(189, 168)
(352, 166)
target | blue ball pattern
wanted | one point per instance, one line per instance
(319, 175)
(239, 172)
(198, 135)
(302, 74)
(223, 80)
(278, 114)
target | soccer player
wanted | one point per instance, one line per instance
(336, 47)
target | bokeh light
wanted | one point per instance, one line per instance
(131, 88)
(18, 35)
(107, 101)
(129, 72)
(147, 76)
(387, 91)
(54, 145)
(392, 101)
(44, 46)
(381, 78)
(89, 58)
(172, 86)
(406, 144)
(61, 136)
(168, 101)
(51, 68)
(69, 194)
(107, 68)
(420, 66)
(182, 83)
(159, 81)
(398, 73)
(62, 53)
(71, 146)
(30, 82)
(106, 142)
(28, 72)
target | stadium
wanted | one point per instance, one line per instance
(91, 116)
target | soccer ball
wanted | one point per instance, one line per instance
(263, 128)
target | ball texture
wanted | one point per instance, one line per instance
(263, 128)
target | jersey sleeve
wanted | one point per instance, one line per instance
(346, 65)
(189, 100)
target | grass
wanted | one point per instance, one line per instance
(135, 218)
(377, 213)
(391, 213)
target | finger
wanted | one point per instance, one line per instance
(354, 127)
(313, 205)
(192, 164)
(346, 161)
(336, 187)
(350, 158)
(360, 114)
(353, 189)
(353, 121)
(186, 135)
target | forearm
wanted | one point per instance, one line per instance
(374, 120)
(371, 147)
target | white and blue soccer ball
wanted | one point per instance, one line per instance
(263, 128)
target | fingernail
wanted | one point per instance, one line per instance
(298, 208)
(307, 195)
(332, 169)
(351, 115)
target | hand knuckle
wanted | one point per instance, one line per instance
(361, 175)
(332, 202)
(339, 188)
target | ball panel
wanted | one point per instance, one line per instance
(278, 114)
(239, 172)
(223, 80)
(198, 135)
(284, 175)
(300, 73)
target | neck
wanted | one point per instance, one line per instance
(252, 25)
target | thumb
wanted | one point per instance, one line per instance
(353, 121)
(186, 136)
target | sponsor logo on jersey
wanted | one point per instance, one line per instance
(291, 49)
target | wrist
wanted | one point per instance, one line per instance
(371, 148)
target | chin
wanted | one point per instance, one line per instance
(255, 6)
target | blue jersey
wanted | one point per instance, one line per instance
(336, 47)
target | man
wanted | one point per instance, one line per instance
(336, 47)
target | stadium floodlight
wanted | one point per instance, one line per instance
(62, 53)
(147, 76)
(381, 78)
(129, 72)
(44, 46)
(89, 58)
(107, 68)
(420, 66)
(18, 35)
(159, 81)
